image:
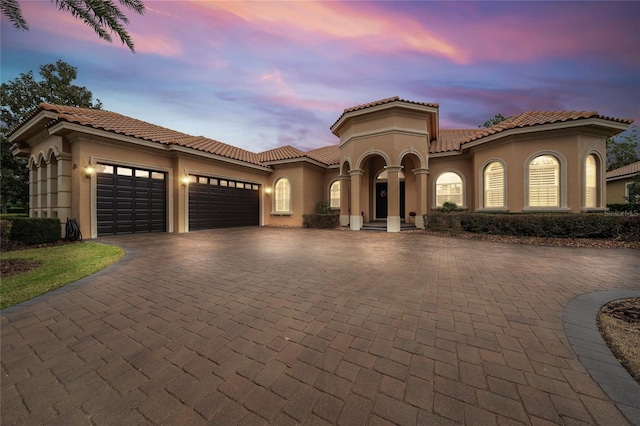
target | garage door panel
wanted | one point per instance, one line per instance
(130, 200)
(221, 203)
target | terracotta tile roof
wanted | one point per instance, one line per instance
(381, 102)
(329, 155)
(281, 153)
(537, 118)
(123, 125)
(451, 139)
(628, 170)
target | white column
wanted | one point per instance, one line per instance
(344, 199)
(355, 218)
(421, 191)
(393, 200)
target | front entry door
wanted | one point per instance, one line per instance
(382, 195)
(381, 200)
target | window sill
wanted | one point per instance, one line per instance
(493, 210)
(281, 213)
(547, 209)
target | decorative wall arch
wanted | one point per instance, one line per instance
(345, 161)
(411, 150)
(372, 152)
(52, 151)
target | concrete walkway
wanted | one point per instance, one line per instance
(290, 326)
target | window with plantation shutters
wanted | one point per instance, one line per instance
(282, 202)
(449, 189)
(590, 179)
(494, 185)
(334, 194)
(544, 182)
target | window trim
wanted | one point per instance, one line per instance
(505, 186)
(274, 211)
(333, 182)
(600, 185)
(434, 203)
(562, 183)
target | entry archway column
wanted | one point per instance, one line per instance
(393, 200)
(421, 191)
(356, 180)
(344, 199)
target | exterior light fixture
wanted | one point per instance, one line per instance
(267, 190)
(89, 170)
(185, 180)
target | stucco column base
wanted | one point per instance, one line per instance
(393, 223)
(356, 223)
(419, 222)
(344, 220)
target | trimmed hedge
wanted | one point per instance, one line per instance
(625, 207)
(35, 230)
(569, 225)
(322, 221)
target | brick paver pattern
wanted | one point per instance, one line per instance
(291, 326)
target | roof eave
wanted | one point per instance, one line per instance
(31, 125)
(590, 122)
(398, 103)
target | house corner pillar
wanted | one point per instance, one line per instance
(355, 219)
(344, 199)
(421, 193)
(393, 200)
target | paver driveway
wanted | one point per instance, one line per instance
(284, 326)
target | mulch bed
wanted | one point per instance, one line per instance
(11, 267)
(619, 324)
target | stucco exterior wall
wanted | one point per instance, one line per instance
(616, 191)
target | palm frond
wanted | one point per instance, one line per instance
(11, 9)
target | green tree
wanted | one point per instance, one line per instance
(498, 118)
(18, 98)
(104, 16)
(624, 148)
(634, 190)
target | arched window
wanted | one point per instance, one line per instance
(544, 182)
(590, 182)
(494, 185)
(449, 188)
(334, 195)
(282, 197)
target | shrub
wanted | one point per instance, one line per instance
(322, 221)
(35, 230)
(574, 225)
(448, 207)
(5, 231)
(625, 207)
(323, 207)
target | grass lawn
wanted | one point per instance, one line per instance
(58, 266)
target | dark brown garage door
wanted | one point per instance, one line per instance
(130, 200)
(222, 203)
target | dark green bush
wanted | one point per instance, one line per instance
(322, 221)
(624, 207)
(35, 230)
(578, 225)
(5, 230)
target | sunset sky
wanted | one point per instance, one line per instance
(264, 74)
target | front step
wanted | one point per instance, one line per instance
(382, 226)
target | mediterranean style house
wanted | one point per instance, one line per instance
(116, 174)
(619, 181)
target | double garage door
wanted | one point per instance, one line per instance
(130, 200)
(222, 203)
(133, 200)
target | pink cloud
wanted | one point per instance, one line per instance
(46, 18)
(372, 28)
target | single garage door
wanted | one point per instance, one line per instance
(222, 203)
(130, 200)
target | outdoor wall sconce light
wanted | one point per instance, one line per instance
(267, 190)
(89, 170)
(185, 180)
